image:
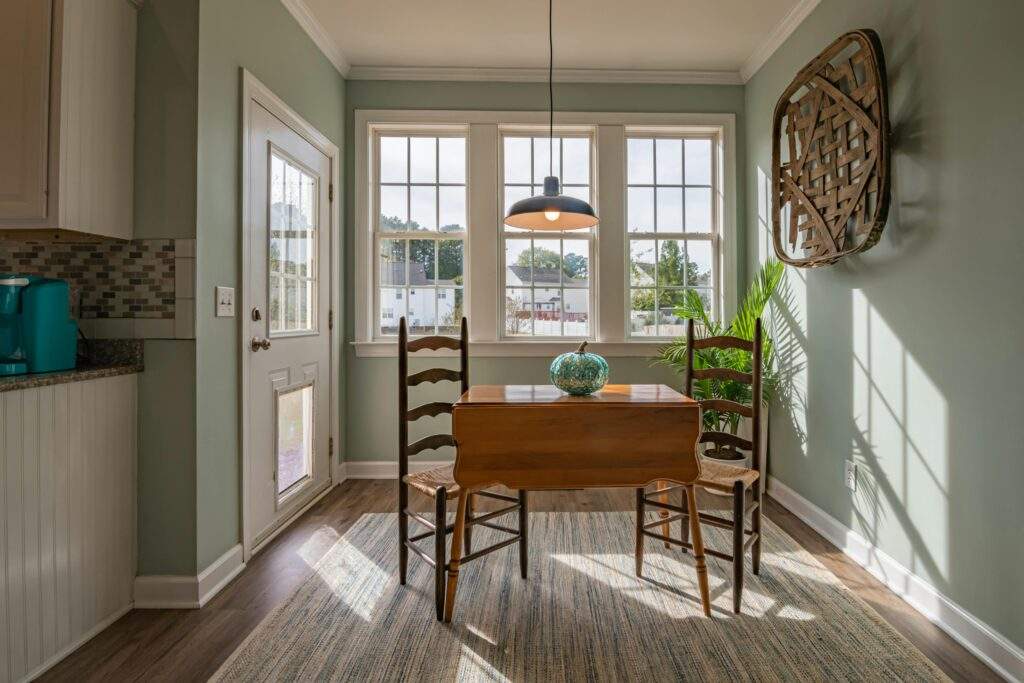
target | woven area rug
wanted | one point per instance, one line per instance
(581, 615)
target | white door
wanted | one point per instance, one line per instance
(288, 335)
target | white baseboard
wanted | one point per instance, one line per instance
(1006, 658)
(79, 642)
(188, 592)
(386, 469)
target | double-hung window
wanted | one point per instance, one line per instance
(431, 189)
(420, 230)
(671, 230)
(546, 276)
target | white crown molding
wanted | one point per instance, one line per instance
(776, 38)
(987, 644)
(445, 73)
(318, 33)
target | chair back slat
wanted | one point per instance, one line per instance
(724, 373)
(434, 375)
(429, 442)
(434, 343)
(723, 405)
(726, 439)
(753, 378)
(429, 410)
(723, 342)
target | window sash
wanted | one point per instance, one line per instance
(505, 233)
(714, 236)
(435, 235)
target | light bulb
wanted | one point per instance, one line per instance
(552, 215)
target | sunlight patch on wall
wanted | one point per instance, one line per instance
(787, 324)
(900, 441)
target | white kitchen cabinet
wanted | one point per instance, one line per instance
(67, 117)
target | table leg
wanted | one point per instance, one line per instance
(698, 550)
(666, 527)
(456, 554)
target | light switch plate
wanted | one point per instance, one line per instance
(225, 302)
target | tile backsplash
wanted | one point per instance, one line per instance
(123, 280)
(144, 288)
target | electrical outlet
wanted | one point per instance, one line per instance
(225, 297)
(850, 475)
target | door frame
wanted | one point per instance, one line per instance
(253, 91)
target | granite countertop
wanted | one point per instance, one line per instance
(96, 358)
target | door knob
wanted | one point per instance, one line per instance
(257, 344)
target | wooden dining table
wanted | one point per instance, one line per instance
(536, 437)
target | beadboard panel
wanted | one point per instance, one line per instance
(67, 537)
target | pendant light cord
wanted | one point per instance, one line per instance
(551, 87)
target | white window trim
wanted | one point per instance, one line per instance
(481, 294)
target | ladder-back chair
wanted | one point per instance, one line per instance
(439, 482)
(743, 483)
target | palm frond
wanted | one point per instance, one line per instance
(674, 354)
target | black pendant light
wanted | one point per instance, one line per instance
(551, 210)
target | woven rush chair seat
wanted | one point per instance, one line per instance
(429, 481)
(719, 475)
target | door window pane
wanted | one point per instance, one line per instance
(294, 437)
(292, 248)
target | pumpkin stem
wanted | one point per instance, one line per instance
(582, 348)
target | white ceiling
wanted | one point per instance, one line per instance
(728, 36)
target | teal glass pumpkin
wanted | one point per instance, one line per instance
(579, 373)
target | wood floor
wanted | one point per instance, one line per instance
(189, 645)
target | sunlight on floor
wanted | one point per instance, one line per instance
(343, 566)
(473, 667)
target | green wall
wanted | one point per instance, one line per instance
(371, 403)
(166, 95)
(261, 36)
(906, 358)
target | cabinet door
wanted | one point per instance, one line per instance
(24, 107)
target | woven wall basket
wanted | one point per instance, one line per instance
(830, 155)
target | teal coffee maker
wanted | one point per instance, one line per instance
(37, 333)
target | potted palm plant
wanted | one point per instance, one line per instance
(742, 326)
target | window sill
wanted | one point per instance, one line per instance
(519, 349)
